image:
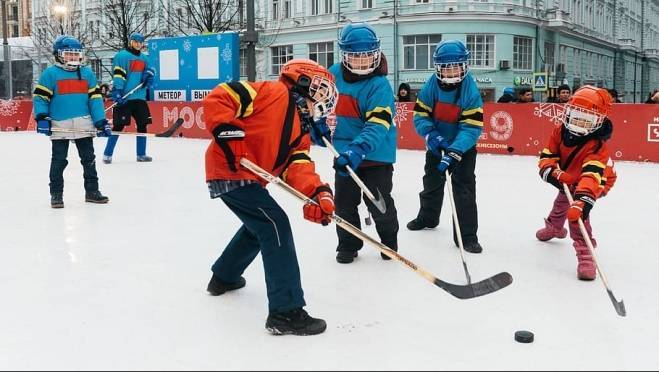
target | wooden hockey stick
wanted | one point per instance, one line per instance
(619, 306)
(462, 292)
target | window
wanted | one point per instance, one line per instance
(418, 50)
(549, 56)
(15, 30)
(322, 7)
(366, 4)
(481, 48)
(281, 9)
(280, 55)
(522, 53)
(421, 1)
(323, 53)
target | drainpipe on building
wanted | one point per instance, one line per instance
(396, 74)
(251, 38)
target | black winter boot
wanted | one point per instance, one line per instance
(418, 224)
(217, 286)
(56, 201)
(96, 197)
(473, 247)
(346, 257)
(295, 322)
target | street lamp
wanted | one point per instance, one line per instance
(60, 10)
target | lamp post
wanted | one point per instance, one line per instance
(60, 10)
(5, 46)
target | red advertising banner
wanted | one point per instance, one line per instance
(523, 129)
(16, 115)
(515, 129)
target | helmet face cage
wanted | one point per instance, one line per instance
(453, 75)
(324, 95)
(580, 121)
(361, 63)
(71, 58)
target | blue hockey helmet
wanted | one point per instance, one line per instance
(360, 48)
(451, 59)
(136, 36)
(68, 51)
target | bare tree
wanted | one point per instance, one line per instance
(202, 16)
(121, 18)
(49, 25)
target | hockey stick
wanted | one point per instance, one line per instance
(618, 305)
(125, 96)
(456, 223)
(168, 133)
(462, 292)
(379, 203)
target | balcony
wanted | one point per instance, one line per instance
(652, 53)
(558, 19)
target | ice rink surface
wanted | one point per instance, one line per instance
(122, 286)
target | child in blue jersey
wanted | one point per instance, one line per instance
(365, 136)
(131, 68)
(449, 115)
(67, 107)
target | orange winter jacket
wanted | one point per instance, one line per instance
(588, 163)
(257, 121)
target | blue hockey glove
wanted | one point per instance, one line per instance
(43, 124)
(118, 97)
(147, 77)
(449, 161)
(352, 157)
(436, 143)
(320, 129)
(104, 128)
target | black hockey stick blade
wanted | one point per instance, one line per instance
(482, 288)
(168, 133)
(618, 305)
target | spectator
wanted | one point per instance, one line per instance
(525, 95)
(404, 93)
(564, 93)
(105, 90)
(614, 95)
(508, 96)
(653, 98)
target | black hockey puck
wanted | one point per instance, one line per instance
(524, 337)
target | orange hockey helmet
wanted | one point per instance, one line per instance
(586, 110)
(313, 81)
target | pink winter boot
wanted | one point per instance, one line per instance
(550, 232)
(586, 269)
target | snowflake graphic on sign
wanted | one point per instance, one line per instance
(553, 111)
(8, 108)
(187, 46)
(401, 114)
(227, 54)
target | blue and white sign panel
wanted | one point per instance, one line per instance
(189, 67)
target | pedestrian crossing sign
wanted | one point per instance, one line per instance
(540, 82)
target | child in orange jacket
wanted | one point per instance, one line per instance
(577, 155)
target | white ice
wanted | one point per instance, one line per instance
(122, 286)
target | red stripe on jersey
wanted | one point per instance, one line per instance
(347, 107)
(446, 112)
(137, 65)
(72, 86)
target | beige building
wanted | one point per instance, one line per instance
(19, 15)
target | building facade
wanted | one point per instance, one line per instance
(19, 13)
(608, 43)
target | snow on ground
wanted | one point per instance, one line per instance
(122, 286)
